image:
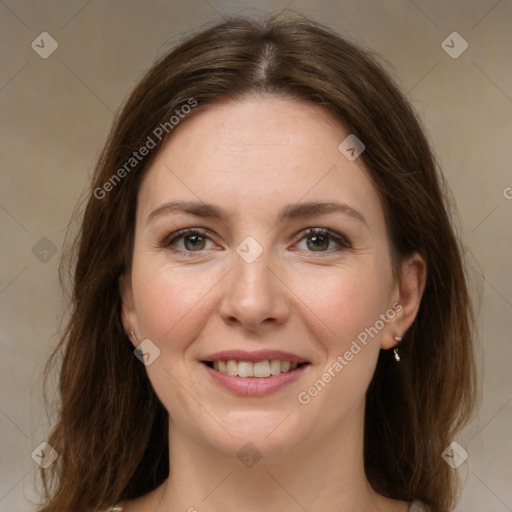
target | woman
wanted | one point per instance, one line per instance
(270, 308)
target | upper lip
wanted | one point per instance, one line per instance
(259, 355)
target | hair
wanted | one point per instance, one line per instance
(112, 431)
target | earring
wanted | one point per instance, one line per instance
(398, 340)
(132, 334)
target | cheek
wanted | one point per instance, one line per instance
(349, 305)
(171, 300)
(173, 304)
(343, 301)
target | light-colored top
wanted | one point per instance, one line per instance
(416, 506)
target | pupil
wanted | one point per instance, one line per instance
(320, 238)
(195, 240)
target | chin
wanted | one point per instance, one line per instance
(270, 435)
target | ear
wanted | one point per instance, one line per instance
(128, 314)
(406, 298)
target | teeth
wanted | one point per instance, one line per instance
(264, 368)
(261, 369)
(275, 367)
(245, 369)
(232, 367)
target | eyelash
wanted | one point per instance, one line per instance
(332, 236)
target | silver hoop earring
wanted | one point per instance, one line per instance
(398, 340)
(132, 334)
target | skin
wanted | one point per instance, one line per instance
(251, 157)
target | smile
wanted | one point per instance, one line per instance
(258, 369)
(254, 374)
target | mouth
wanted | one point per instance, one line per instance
(254, 374)
(258, 369)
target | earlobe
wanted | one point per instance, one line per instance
(409, 291)
(128, 315)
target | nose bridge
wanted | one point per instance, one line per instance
(252, 293)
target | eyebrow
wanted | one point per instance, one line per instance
(288, 212)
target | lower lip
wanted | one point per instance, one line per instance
(255, 386)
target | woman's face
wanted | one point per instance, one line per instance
(287, 265)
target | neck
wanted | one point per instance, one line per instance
(321, 474)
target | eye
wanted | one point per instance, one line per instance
(319, 239)
(194, 240)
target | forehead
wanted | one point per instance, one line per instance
(256, 154)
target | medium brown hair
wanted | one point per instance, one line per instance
(111, 432)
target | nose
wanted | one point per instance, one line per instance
(254, 294)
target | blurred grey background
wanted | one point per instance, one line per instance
(56, 110)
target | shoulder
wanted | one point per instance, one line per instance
(418, 506)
